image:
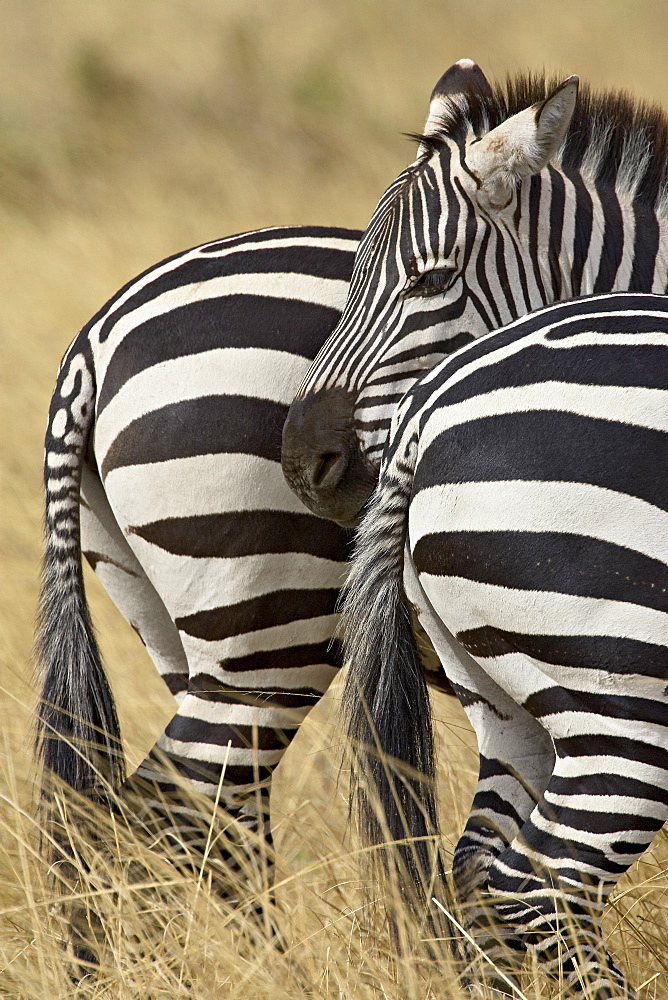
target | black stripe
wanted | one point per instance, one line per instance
(641, 365)
(210, 425)
(267, 611)
(453, 208)
(502, 271)
(554, 700)
(613, 746)
(584, 217)
(247, 532)
(551, 846)
(491, 801)
(434, 350)
(613, 239)
(602, 784)
(291, 657)
(235, 774)
(593, 821)
(512, 247)
(600, 652)
(548, 446)
(188, 730)
(645, 248)
(481, 268)
(176, 682)
(227, 321)
(209, 688)
(554, 562)
(438, 348)
(583, 308)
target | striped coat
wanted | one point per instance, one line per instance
(525, 478)
(162, 468)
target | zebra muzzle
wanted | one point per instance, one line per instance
(322, 460)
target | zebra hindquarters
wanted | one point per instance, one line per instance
(250, 580)
(538, 537)
(107, 552)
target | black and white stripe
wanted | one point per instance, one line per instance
(525, 476)
(167, 413)
(163, 467)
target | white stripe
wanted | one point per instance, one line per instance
(466, 604)
(202, 484)
(275, 716)
(601, 841)
(576, 508)
(208, 657)
(562, 725)
(660, 279)
(196, 253)
(189, 585)
(213, 753)
(627, 804)
(559, 314)
(329, 292)
(634, 406)
(583, 679)
(252, 372)
(573, 767)
(326, 242)
(625, 269)
(566, 253)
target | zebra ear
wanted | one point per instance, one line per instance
(463, 77)
(522, 145)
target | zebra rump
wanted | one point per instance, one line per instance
(559, 608)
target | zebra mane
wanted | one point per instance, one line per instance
(614, 138)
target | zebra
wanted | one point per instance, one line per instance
(523, 194)
(522, 498)
(162, 467)
(520, 195)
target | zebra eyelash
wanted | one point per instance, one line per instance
(431, 283)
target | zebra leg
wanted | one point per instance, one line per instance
(122, 576)
(516, 762)
(516, 753)
(602, 807)
(228, 736)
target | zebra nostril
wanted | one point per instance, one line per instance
(327, 469)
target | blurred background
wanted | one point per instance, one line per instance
(132, 129)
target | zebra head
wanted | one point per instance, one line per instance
(450, 253)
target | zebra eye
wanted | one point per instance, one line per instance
(432, 282)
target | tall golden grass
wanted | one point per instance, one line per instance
(127, 132)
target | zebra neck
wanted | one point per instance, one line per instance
(599, 239)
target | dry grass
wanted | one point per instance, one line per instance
(129, 130)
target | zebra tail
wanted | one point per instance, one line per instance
(77, 731)
(386, 707)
